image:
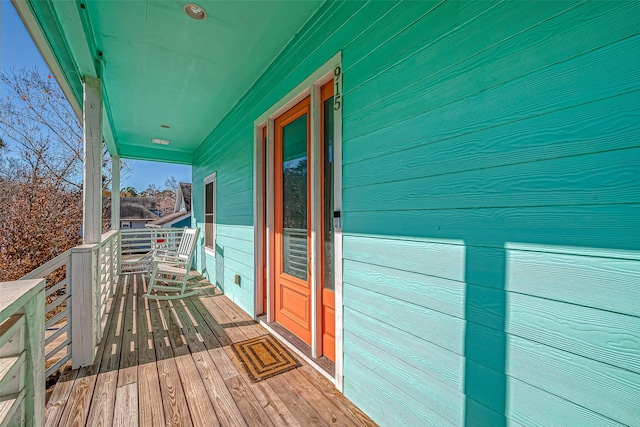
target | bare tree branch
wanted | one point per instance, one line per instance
(41, 167)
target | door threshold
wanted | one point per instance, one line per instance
(323, 364)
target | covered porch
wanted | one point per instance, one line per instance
(466, 170)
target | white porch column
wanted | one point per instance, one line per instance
(84, 269)
(115, 192)
(92, 182)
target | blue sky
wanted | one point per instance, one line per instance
(17, 50)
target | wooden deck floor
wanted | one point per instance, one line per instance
(169, 363)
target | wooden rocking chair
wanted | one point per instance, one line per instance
(174, 269)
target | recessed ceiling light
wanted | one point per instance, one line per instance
(164, 126)
(160, 141)
(195, 11)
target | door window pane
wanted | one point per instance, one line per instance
(294, 191)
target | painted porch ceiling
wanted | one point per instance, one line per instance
(162, 67)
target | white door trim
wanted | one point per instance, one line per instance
(337, 207)
(316, 223)
(258, 220)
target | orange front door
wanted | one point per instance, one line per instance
(292, 221)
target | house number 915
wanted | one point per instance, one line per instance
(337, 79)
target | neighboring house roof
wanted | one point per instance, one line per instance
(133, 208)
(183, 197)
(169, 220)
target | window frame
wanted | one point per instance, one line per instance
(210, 179)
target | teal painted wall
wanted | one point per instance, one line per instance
(491, 206)
(182, 223)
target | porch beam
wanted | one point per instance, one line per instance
(92, 181)
(115, 192)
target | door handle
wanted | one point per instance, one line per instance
(309, 267)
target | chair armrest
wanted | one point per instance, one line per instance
(171, 259)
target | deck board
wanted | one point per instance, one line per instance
(335, 397)
(175, 408)
(78, 406)
(128, 372)
(273, 406)
(169, 363)
(126, 413)
(227, 410)
(151, 412)
(126, 399)
(59, 398)
(200, 407)
(298, 407)
(103, 400)
(150, 408)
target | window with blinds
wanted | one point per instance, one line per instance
(210, 212)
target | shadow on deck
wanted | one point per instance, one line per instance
(169, 363)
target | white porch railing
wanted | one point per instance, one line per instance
(108, 255)
(57, 310)
(135, 243)
(22, 353)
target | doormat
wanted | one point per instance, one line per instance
(263, 357)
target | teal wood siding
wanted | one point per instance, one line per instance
(182, 223)
(491, 192)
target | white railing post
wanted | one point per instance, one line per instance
(83, 312)
(35, 384)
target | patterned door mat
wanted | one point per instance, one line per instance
(263, 357)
